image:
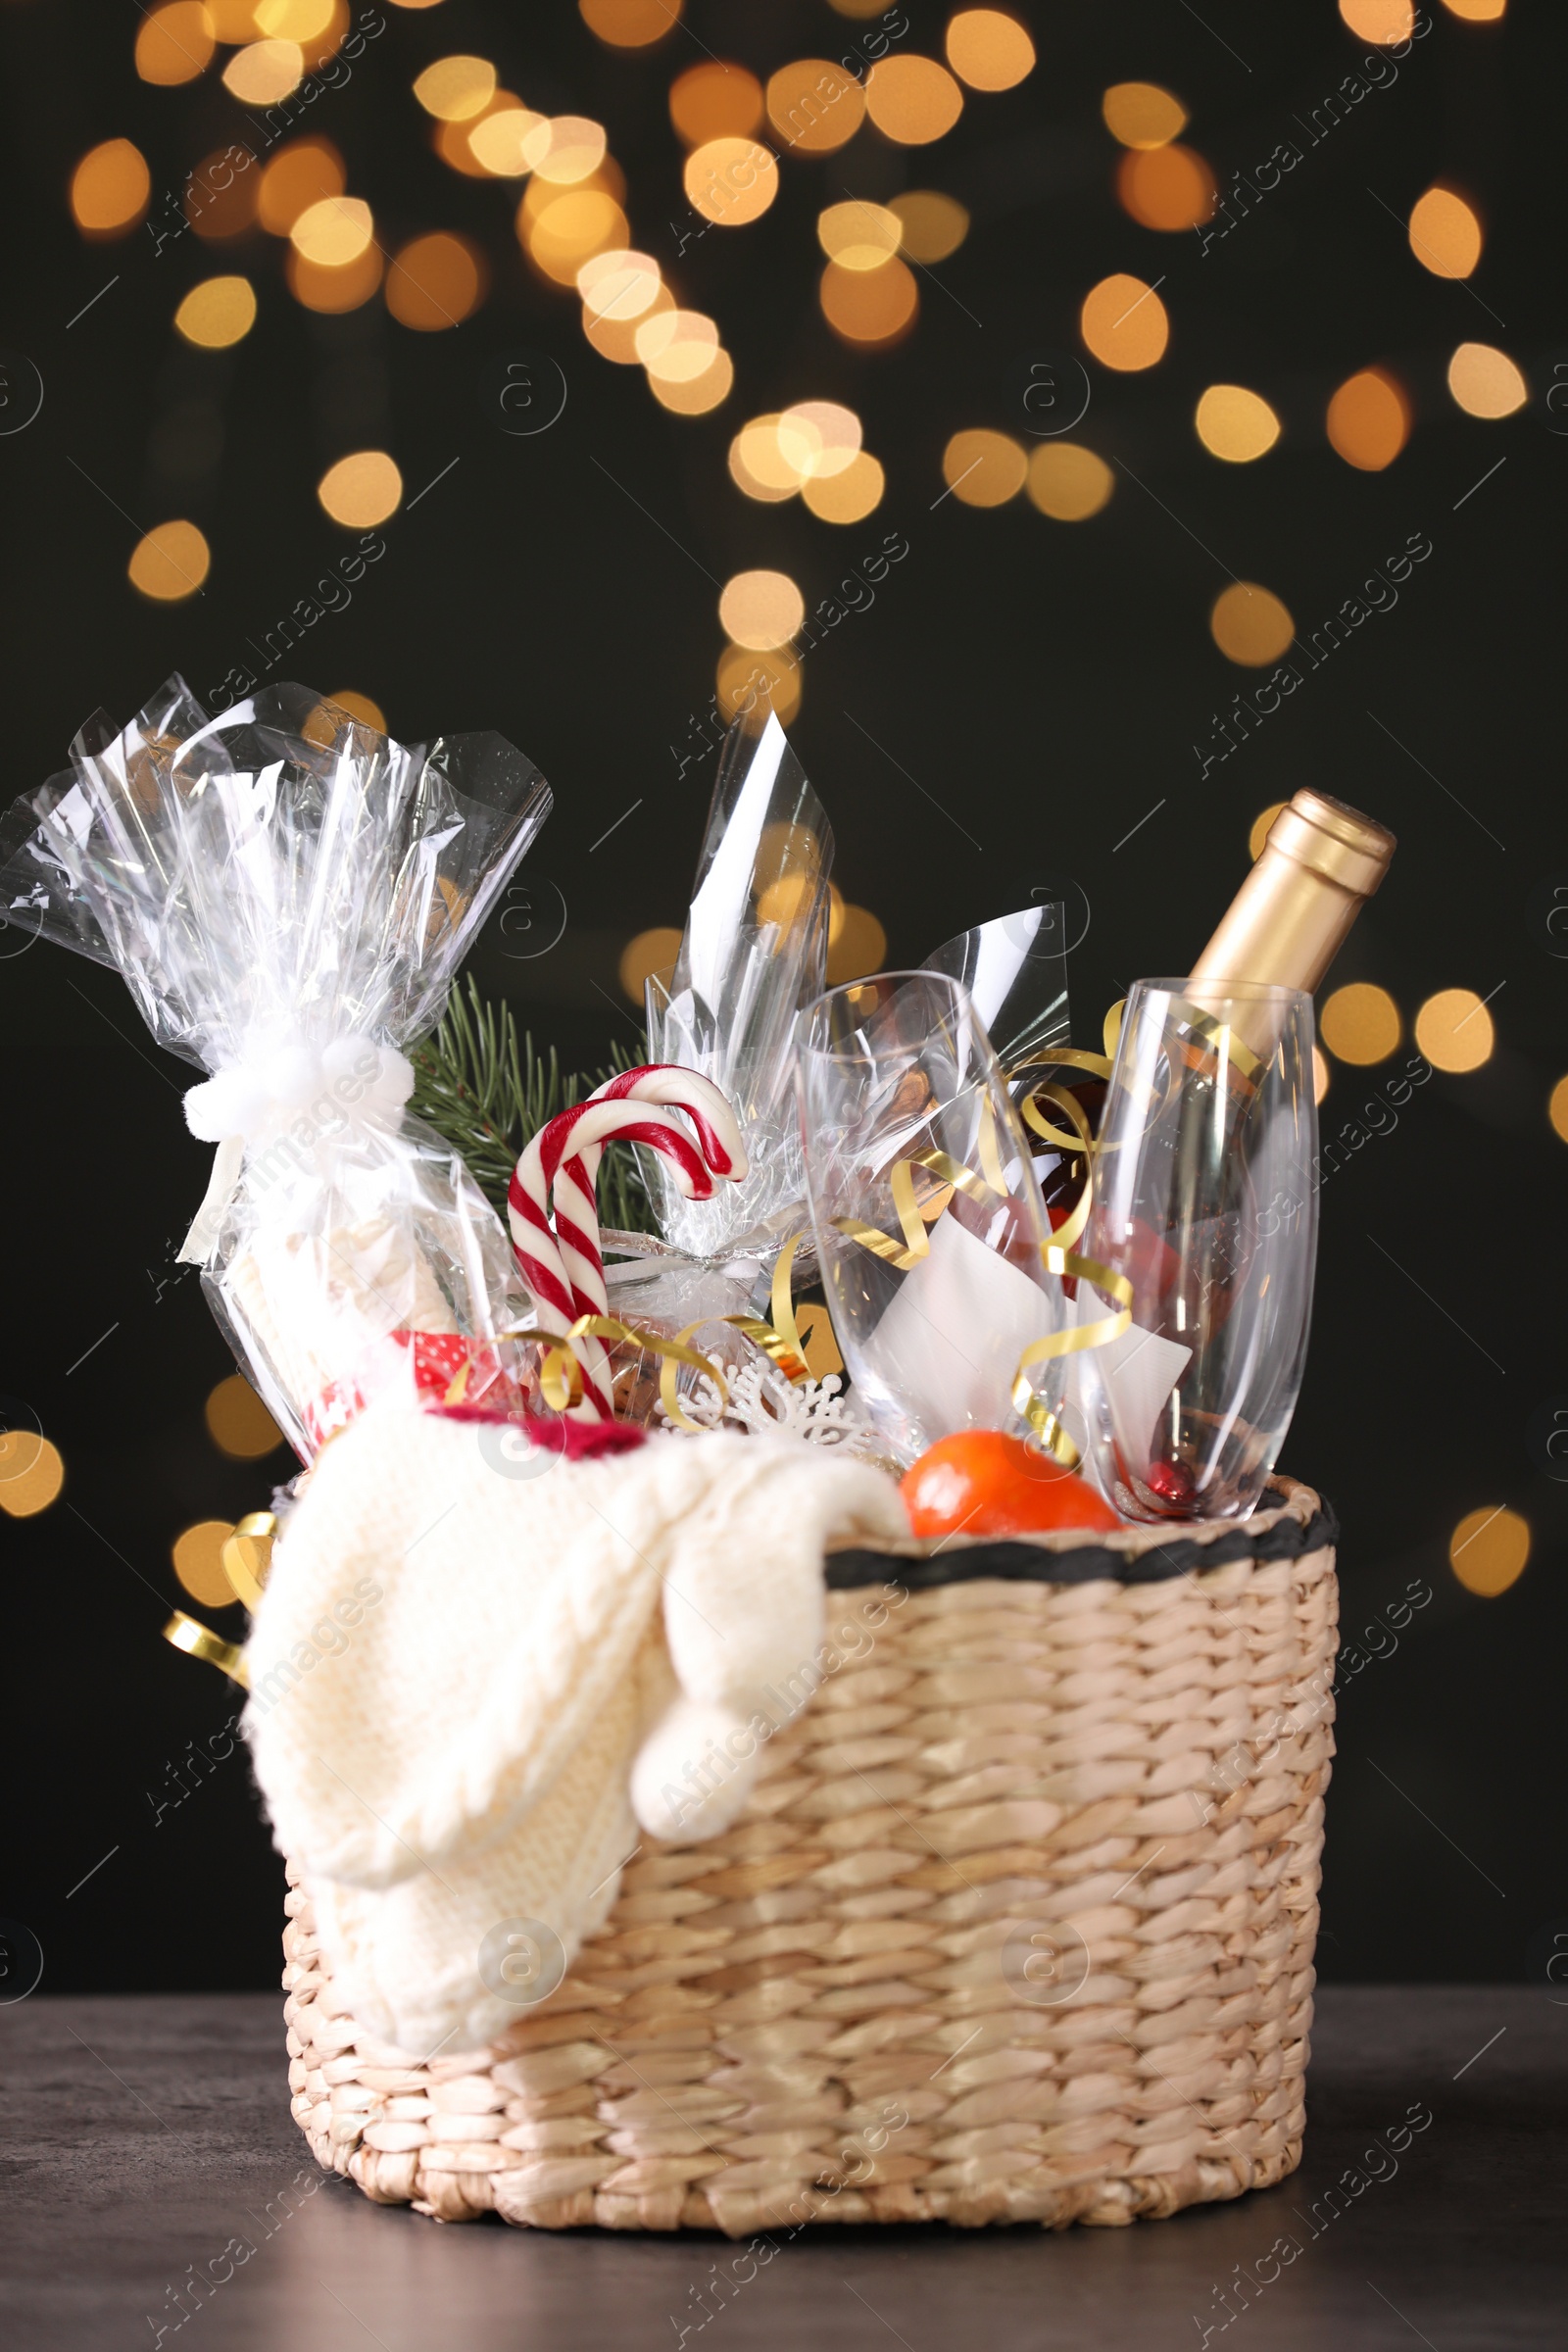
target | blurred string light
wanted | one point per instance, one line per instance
(454, 88)
(1453, 1030)
(32, 1473)
(1445, 234)
(761, 611)
(220, 311)
(264, 71)
(1139, 113)
(1476, 12)
(1166, 187)
(110, 188)
(858, 236)
(170, 562)
(641, 958)
(912, 100)
(360, 490)
(858, 946)
(630, 23)
(814, 450)
(931, 226)
(198, 1556)
(1261, 825)
(304, 172)
(1557, 1109)
(748, 680)
(1486, 383)
(1124, 323)
(1489, 1551)
(1369, 420)
(1068, 482)
(361, 706)
(239, 1423)
(1320, 1074)
(334, 231)
(1382, 21)
(174, 44)
(331, 289)
(988, 50)
(870, 307)
(1236, 425)
(730, 181)
(983, 469)
(495, 145)
(219, 201)
(1249, 625)
(435, 283)
(716, 101)
(815, 106)
(1360, 1024)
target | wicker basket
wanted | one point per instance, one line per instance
(1017, 1925)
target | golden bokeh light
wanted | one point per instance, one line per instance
(1139, 113)
(361, 706)
(571, 229)
(813, 106)
(1168, 187)
(170, 562)
(1360, 1023)
(819, 437)
(329, 290)
(861, 947)
(618, 305)
(454, 88)
(716, 101)
(1383, 21)
(641, 958)
(988, 50)
(747, 680)
(1476, 12)
(1249, 625)
(983, 469)
(730, 181)
(630, 23)
(1445, 234)
(1320, 1074)
(1369, 420)
(334, 231)
(238, 1422)
(676, 346)
(435, 283)
(1557, 1109)
(494, 145)
(198, 1556)
(360, 490)
(696, 395)
(233, 21)
(264, 71)
(858, 235)
(32, 1473)
(757, 463)
(565, 149)
(870, 306)
(1259, 833)
(1489, 1549)
(1484, 381)
(931, 226)
(912, 100)
(110, 188)
(307, 172)
(1453, 1030)
(1124, 323)
(307, 21)
(848, 496)
(1069, 482)
(220, 311)
(219, 201)
(1236, 425)
(760, 610)
(174, 44)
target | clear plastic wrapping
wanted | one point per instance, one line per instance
(287, 895)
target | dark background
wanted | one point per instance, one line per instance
(1043, 682)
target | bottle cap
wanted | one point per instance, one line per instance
(1333, 840)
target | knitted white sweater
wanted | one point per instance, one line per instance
(463, 1684)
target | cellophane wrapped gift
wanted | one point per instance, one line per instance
(287, 895)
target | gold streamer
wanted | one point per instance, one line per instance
(780, 1340)
(560, 1374)
(197, 1641)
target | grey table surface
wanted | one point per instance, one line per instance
(147, 2138)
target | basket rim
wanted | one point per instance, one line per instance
(1299, 1522)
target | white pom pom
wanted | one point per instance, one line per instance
(207, 1106)
(694, 1772)
(290, 1077)
(339, 1057)
(393, 1082)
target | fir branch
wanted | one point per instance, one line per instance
(487, 1094)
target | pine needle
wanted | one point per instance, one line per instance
(487, 1093)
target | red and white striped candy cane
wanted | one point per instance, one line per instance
(563, 1265)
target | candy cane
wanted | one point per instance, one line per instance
(563, 1265)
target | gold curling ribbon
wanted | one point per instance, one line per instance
(916, 1243)
(1217, 1035)
(247, 1557)
(780, 1339)
(560, 1374)
(188, 1635)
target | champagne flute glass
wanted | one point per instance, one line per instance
(930, 1230)
(1204, 1198)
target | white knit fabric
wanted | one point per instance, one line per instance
(462, 1679)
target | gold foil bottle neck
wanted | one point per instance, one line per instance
(1331, 839)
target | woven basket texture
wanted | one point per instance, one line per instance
(1017, 1925)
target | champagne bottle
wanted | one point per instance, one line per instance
(1320, 863)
